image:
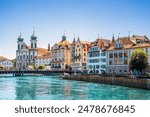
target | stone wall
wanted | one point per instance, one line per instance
(117, 80)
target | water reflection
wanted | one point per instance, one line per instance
(52, 88)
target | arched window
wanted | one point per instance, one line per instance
(18, 47)
(31, 45)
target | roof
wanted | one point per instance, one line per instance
(135, 41)
(101, 43)
(44, 56)
(126, 43)
(142, 45)
(43, 53)
(63, 43)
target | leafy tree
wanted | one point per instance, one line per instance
(1, 67)
(41, 67)
(138, 61)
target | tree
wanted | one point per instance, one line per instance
(41, 67)
(138, 61)
(1, 67)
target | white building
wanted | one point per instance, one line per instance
(96, 56)
(44, 59)
(28, 55)
(6, 64)
(120, 51)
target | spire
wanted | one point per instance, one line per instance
(78, 39)
(49, 47)
(63, 37)
(113, 38)
(33, 35)
(74, 39)
(118, 35)
(129, 34)
(98, 36)
(19, 38)
(33, 31)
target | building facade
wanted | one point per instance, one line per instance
(96, 57)
(43, 58)
(78, 51)
(120, 51)
(6, 63)
(60, 54)
(27, 55)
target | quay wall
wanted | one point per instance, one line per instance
(141, 83)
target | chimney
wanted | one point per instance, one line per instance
(49, 47)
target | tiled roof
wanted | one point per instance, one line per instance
(142, 45)
(101, 43)
(44, 56)
(130, 42)
(126, 43)
(41, 51)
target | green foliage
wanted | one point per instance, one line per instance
(1, 67)
(41, 67)
(138, 61)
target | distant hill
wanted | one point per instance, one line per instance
(3, 58)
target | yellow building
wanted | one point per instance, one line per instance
(78, 54)
(61, 54)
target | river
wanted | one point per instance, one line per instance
(54, 88)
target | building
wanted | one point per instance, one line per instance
(43, 58)
(96, 56)
(6, 63)
(29, 55)
(60, 57)
(78, 51)
(120, 51)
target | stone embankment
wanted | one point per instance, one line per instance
(142, 83)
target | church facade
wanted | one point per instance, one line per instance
(27, 55)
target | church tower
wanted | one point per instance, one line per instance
(33, 41)
(20, 42)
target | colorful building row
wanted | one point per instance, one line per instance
(101, 56)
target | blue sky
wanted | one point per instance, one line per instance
(86, 18)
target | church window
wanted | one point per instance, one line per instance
(31, 45)
(18, 46)
(23, 56)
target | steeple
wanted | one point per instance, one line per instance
(49, 47)
(33, 40)
(78, 39)
(113, 38)
(98, 36)
(33, 37)
(129, 34)
(118, 37)
(64, 37)
(74, 39)
(19, 38)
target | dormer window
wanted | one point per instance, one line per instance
(118, 45)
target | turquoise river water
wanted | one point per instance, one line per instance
(54, 88)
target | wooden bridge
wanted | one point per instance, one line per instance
(42, 72)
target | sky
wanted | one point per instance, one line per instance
(86, 18)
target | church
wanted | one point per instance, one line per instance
(29, 55)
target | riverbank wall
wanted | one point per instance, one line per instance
(141, 83)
